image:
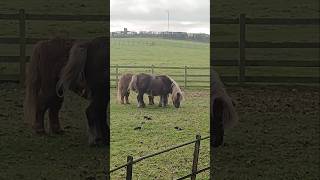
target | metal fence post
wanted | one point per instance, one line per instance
(242, 46)
(195, 157)
(185, 76)
(129, 168)
(22, 33)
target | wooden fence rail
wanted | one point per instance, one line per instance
(194, 169)
(185, 75)
(243, 44)
(241, 62)
(22, 17)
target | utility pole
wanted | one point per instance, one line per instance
(168, 20)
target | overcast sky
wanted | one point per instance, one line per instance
(151, 15)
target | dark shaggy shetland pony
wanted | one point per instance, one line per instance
(161, 85)
(54, 67)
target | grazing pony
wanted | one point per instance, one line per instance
(123, 88)
(57, 65)
(161, 85)
(223, 113)
(47, 60)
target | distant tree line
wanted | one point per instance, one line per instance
(201, 37)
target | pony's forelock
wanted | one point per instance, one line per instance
(176, 89)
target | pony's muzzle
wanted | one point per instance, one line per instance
(59, 89)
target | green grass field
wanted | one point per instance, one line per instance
(160, 53)
(25, 155)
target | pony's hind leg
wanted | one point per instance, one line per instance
(141, 103)
(54, 109)
(127, 98)
(41, 108)
(151, 100)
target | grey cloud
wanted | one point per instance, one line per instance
(148, 13)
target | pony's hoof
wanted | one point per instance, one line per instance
(141, 105)
(40, 132)
(127, 103)
(57, 131)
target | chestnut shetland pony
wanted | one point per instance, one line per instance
(160, 85)
(58, 65)
(123, 88)
(223, 113)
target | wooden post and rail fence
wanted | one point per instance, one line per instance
(242, 63)
(194, 169)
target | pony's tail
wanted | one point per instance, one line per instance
(73, 71)
(229, 114)
(32, 85)
(119, 92)
(133, 82)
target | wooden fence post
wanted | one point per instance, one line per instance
(185, 76)
(152, 69)
(117, 75)
(22, 33)
(196, 157)
(129, 168)
(242, 46)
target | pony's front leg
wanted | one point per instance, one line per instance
(165, 100)
(151, 100)
(141, 103)
(122, 99)
(160, 102)
(38, 124)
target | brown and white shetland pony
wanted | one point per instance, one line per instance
(223, 113)
(156, 85)
(57, 65)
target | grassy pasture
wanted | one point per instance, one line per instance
(132, 134)
(25, 155)
(277, 136)
(161, 52)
